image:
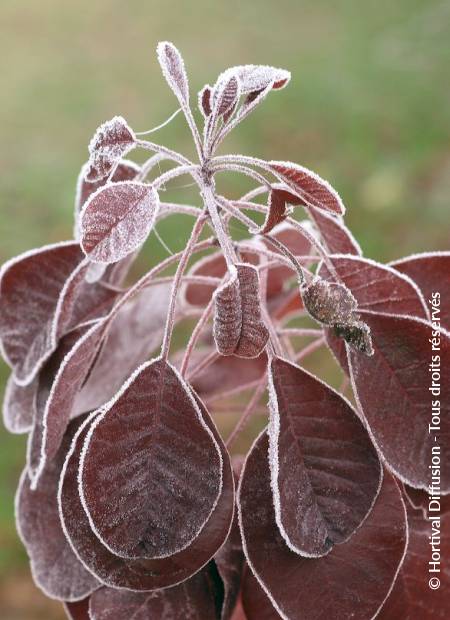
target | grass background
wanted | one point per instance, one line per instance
(367, 108)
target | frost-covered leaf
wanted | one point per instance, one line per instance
(430, 271)
(325, 471)
(329, 303)
(198, 598)
(278, 209)
(30, 288)
(255, 602)
(392, 390)
(112, 141)
(225, 95)
(125, 171)
(117, 219)
(55, 568)
(363, 569)
(335, 235)
(19, 406)
(78, 610)
(167, 466)
(412, 597)
(238, 327)
(314, 190)
(60, 381)
(204, 100)
(172, 66)
(257, 77)
(133, 335)
(141, 574)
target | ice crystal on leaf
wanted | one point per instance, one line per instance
(127, 504)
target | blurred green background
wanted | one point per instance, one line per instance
(367, 108)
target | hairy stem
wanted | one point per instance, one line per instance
(196, 335)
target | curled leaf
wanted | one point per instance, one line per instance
(363, 569)
(55, 568)
(314, 190)
(204, 100)
(172, 66)
(167, 474)
(238, 327)
(278, 209)
(325, 472)
(112, 141)
(117, 219)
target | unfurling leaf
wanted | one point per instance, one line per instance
(172, 66)
(225, 95)
(238, 327)
(31, 286)
(117, 219)
(112, 141)
(392, 389)
(141, 575)
(198, 598)
(167, 474)
(325, 472)
(204, 100)
(362, 569)
(314, 190)
(56, 569)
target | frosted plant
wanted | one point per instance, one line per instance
(127, 505)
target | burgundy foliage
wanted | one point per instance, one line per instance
(127, 505)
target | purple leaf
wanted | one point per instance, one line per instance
(363, 569)
(78, 610)
(30, 290)
(335, 235)
(172, 66)
(125, 171)
(55, 568)
(112, 141)
(306, 184)
(225, 94)
(230, 564)
(278, 209)
(325, 472)
(412, 597)
(149, 431)
(19, 406)
(392, 390)
(198, 598)
(238, 327)
(141, 575)
(255, 601)
(430, 272)
(117, 219)
(257, 77)
(204, 100)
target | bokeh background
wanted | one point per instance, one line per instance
(368, 108)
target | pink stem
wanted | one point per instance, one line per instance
(251, 406)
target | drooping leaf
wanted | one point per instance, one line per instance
(325, 472)
(198, 598)
(167, 466)
(412, 597)
(117, 219)
(78, 610)
(19, 406)
(314, 190)
(430, 272)
(133, 335)
(64, 375)
(112, 141)
(55, 568)
(172, 66)
(204, 100)
(141, 575)
(30, 288)
(257, 77)
(363, 569)
(125, 171)
(335, 235)
(392, 389)
(238, 327)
